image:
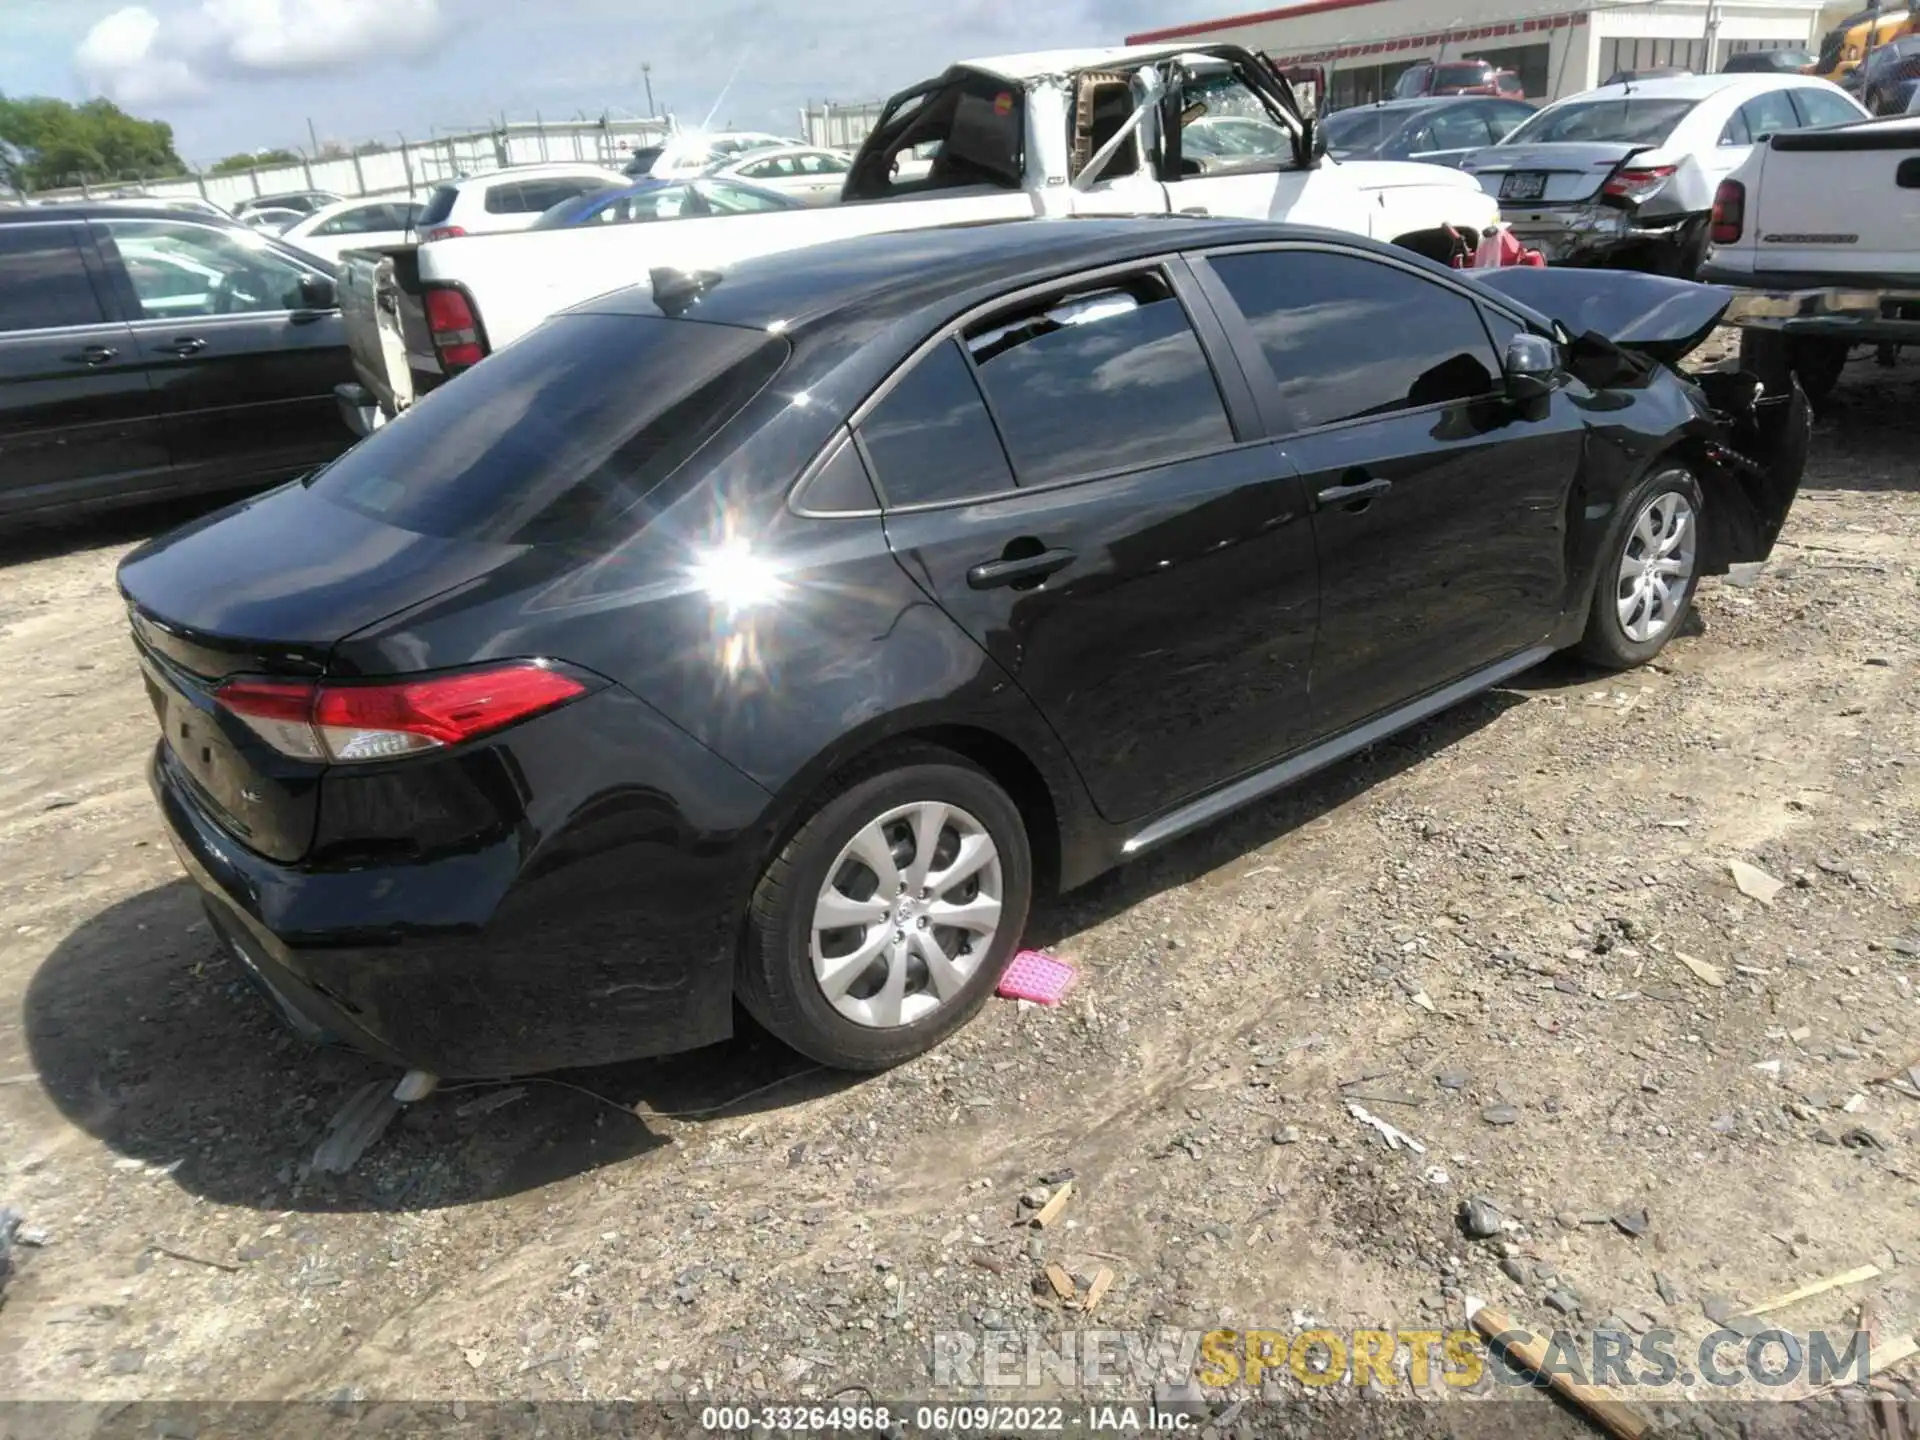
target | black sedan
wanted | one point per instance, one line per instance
(775, 632)
(153, 351)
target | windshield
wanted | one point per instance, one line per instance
(562, 431)
(1627, 121)
(1360, 129)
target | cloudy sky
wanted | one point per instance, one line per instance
(243, 74)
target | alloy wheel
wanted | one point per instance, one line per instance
(909, 910)
(1656, 567)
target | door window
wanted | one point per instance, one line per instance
(778, 166)
(1347, 338)
(1099, 379)
(361, 220)
(822, 165)
(1503, 119)
(184, 270)
(930, 439)
(725, 199)
(43, 279)
(1455, 128)
(1770, 114)
(1736, 132)
(1823, 107)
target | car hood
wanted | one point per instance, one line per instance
(1653, 315)
(1572, 171)
(1400, 174)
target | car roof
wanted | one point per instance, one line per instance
(112, 209)
(551, 167)
(1693, 87)
(897, 275)
(1410, 103)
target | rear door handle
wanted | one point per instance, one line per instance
(994, 573)
(1356, 496)
(91, 355)
(184, 346)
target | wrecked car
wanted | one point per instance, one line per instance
(777, 632)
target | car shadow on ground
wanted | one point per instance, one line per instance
(24, 541)
(145, 1035)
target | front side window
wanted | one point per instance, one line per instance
(930, 438)
(43, 279)
(1224, 121)
(1823, 107)
(358, 221)
(779, 165)
(1347, 338)
(1107, 377)
(185, 270)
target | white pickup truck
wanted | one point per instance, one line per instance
(1818, 232)
(1123, 131)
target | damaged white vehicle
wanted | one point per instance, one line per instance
(1124, 131)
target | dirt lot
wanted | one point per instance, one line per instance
(1481, 922)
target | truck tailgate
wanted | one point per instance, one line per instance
(385, 325)
(1842, 201)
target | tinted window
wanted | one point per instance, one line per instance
(180, 270)
(439, 205)
(1360, 129)
(508, 199)
(1455, 128)
(1637, 121)
(931, 437)
(564, 430)
(1769, 114)
(43, 280)
(1100, 379)
(1347, 337)
(1823, 107)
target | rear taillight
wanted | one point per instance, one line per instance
(456, 334)
(385, 720)
(1636, 185)
(443, 232)
(1729, 213)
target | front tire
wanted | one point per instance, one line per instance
(885, 922)
(1649, 569)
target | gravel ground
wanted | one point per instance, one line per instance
(1514, 934)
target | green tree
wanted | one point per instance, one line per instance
(46, 143)
(251, 158)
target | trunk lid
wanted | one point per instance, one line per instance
(268, 587)
(1661, 318)
(1555, 174)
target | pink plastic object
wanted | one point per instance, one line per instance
(1036, 976)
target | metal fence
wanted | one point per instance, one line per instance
(839, 127)
(406, 166)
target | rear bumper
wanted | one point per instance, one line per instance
(1863, 308)
(1589, 234)
(613, 938)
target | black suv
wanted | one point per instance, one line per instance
(149, 351)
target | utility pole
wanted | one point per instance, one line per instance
(313, 136)
(646, 78)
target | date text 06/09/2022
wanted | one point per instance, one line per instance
(945, 1419)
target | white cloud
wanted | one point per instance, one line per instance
(139, 58)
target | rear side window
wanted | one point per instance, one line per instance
(1108, 377)
(1629, 120)
(439, 205)
(508, 199)
(930, 439)
(561, 432)
(1347, 338)
(1770, 114)
(43, 279)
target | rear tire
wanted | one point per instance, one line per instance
(1649, 569)
(859, 858)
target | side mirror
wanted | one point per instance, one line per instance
(1532, 367)
(317, 292)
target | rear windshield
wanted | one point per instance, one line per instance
(562, 431)
(1627, 121)
(1460, 75)
(439, 205)
(1361, 129)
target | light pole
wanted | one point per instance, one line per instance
(646, 78)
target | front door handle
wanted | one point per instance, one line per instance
(1355, 496)
(91, 355)
(1021, 570)
(186, 345)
